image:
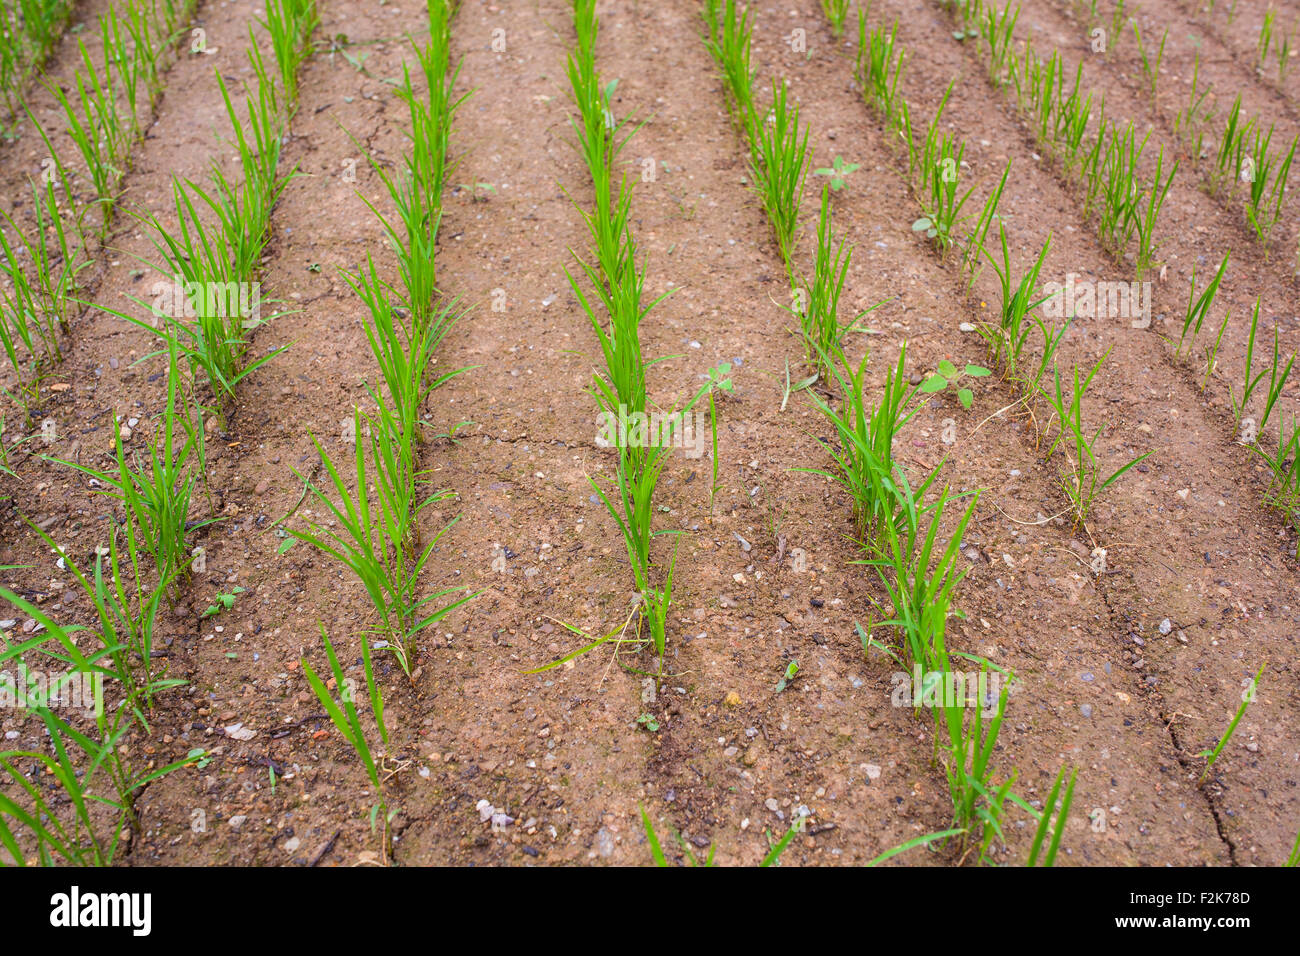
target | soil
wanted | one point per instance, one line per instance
(765, 576)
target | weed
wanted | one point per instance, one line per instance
(837, 173)
(948, 374)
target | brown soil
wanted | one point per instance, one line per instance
(561, 752)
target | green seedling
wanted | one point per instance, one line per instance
(790, 388)
(126, 601)
(817, 302)
(1016, 321)
(942, 211)
(973, 252)
(1283, 492)
(920, 575)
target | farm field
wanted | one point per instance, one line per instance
(545, 432)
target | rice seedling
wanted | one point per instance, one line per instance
(879, 68)
(720, 381)
(29, 30)
(973, 250)
(1072, 122)
(1081, 480)
(911, 844)
(1198, 307)
(120, 58)
(126, 600)
(926, 160)
(1294, 858)
(210, 310)
(244, 210)
(1061, 811)
(1212, 754)
(942, 212)
(1283, 492)
(1120, 194)
(864, 460)
(1190, 123)
(790, 387)
(1229, 161)
(967, 755)
(1276, 380)
(431, 146)
(290, 24)
(155, 494)
(998, 30)
(343, 713)
(1265, 40)
(1252, 380)
(417, 191)
(34, 302)
(148, 42)
(1016, 321)
(1118, 16)
(1145, 215)
(780, 160)
(1150, 64)
(818, 308)
(97, 129)
(618, 282)
(1212, 351)
(657, 852)
(1267, 187)
(7, 469)
(728, 40)
(369, 533)
(73, 811)
(836, 12)
(919, 575)
(403, 350)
